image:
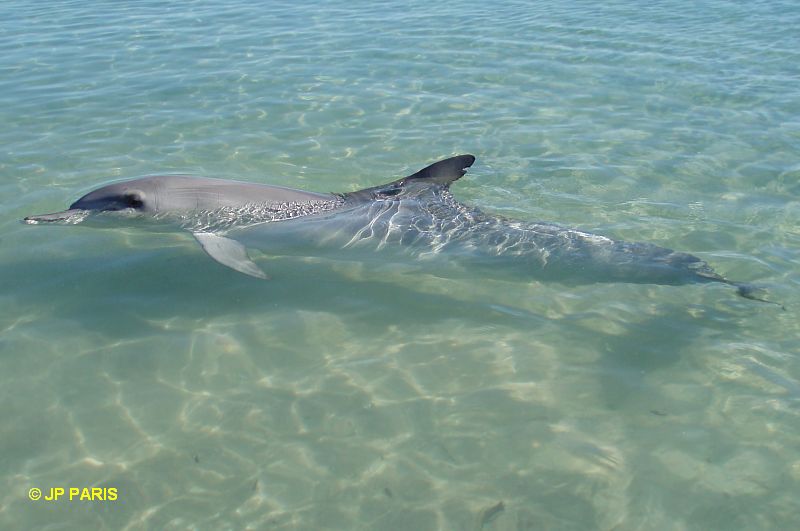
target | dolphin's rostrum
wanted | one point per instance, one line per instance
(416, 215)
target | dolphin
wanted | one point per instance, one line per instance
(415, 216)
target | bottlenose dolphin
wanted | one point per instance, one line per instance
(416, 215)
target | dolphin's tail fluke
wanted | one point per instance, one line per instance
(752, 292)
(743, 289)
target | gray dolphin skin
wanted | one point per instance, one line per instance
(416, 217)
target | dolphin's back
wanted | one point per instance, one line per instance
(183, 192)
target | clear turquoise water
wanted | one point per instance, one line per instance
(340, 396)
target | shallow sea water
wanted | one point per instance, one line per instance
(344, 395)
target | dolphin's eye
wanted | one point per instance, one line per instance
(132, 201)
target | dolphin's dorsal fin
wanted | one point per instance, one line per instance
(228, 253)
(440, 173)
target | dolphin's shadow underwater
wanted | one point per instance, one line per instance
(415, 217)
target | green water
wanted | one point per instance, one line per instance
(347, 395)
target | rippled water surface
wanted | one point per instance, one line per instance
(343, 394)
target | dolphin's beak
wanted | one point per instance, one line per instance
(69, 217)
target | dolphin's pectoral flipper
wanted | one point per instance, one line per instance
(228, 253)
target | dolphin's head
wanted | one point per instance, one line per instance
(138, 195)
(126, 198)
